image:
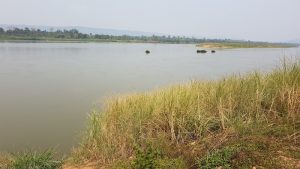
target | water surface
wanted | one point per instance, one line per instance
(48, 89)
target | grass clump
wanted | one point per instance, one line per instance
(146, 158)
(189, 121)
(149, 158)
(217, 158)
(246, 152)
(34, 160)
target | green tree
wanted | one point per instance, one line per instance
(2, 31)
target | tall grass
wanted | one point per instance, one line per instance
(31, 160)
(187, 120)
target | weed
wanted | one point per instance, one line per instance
(34, 160)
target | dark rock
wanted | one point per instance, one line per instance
(213, 51)
(147, 52)
(201, 51)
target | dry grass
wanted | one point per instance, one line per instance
(189, 120)
(5, 160)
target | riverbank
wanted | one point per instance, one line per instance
(249, 121)
(237, 122)
(231, 45)
(55, 40)
(207, 45)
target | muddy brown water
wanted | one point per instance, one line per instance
(48, 89)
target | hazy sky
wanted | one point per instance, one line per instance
(270, 20)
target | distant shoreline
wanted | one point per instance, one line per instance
(32, 35)
(207, 45)
(233, 45)
(79, 41)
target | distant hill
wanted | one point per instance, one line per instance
(295, 41)
(86, 30)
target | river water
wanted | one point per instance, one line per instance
(48, 89)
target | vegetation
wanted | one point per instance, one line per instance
(74, 35)
(31, 160)
(217, 158)
(237, 122)
(5, 161)
(245, 44)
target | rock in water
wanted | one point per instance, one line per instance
(201, 51)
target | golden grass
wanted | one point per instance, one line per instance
(189, 119)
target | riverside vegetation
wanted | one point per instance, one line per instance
(30, 160)
(236, 122)
(73, 35)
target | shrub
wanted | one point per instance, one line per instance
(217, 158)
(34, 160)
(146, 159)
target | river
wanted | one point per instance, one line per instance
(48, 89)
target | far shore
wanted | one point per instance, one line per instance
(75, 41)
(232, 45)
(205, 45)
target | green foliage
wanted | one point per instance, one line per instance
(146, 158)
(151, 158)
(34, 160)
(255, 151)
(75, 35)
(217, 158)
(169, 163)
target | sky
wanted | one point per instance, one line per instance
(263, 20)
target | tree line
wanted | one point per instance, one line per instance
(74, 34)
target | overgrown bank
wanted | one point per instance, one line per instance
(236, 122)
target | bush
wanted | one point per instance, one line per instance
(34, 160)
(146, 159)
(217, 158)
